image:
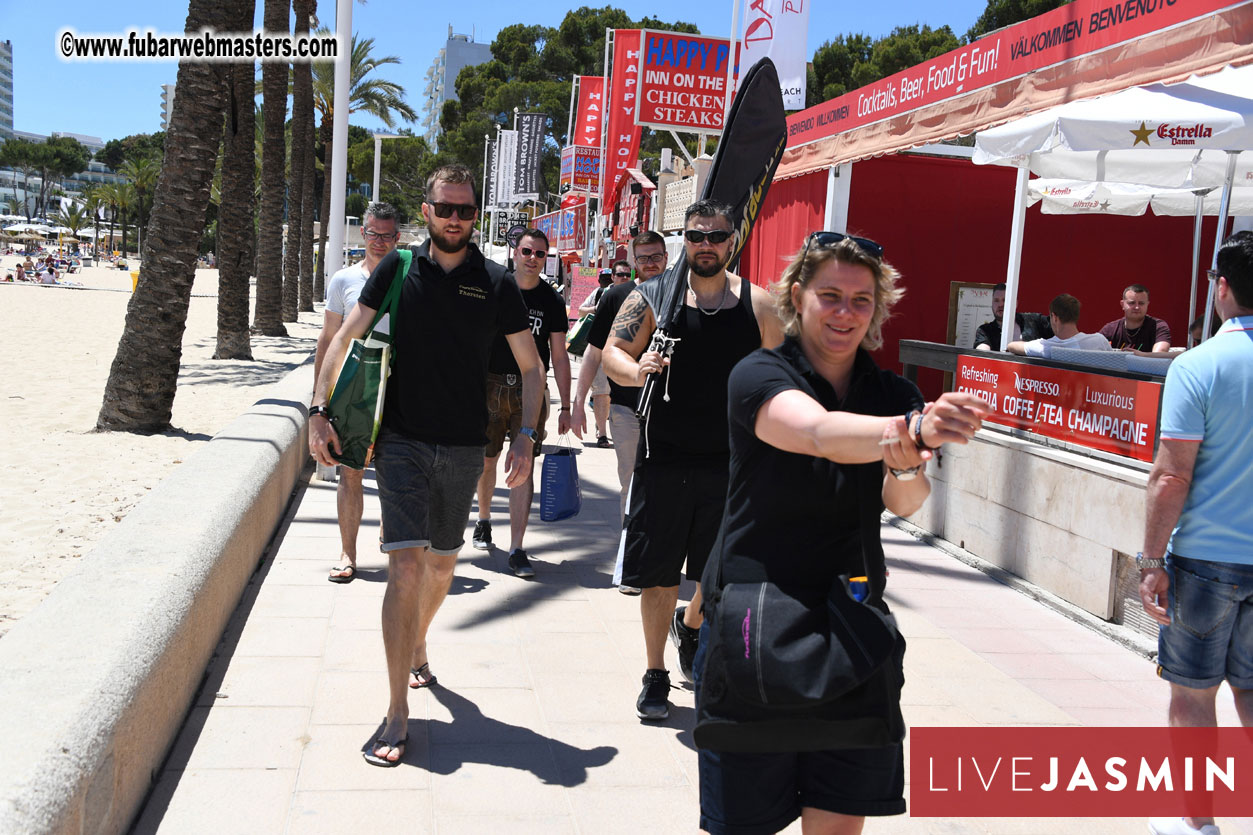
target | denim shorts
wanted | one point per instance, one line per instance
(1210, 636)
(425, 492)
(747, 794)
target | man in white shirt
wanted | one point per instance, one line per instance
(1064, 319)
(380, 233)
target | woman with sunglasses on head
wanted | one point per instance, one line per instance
(821, 440)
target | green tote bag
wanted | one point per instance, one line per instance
(355, 404)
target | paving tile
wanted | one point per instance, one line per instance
(497, 780)
(588, 652)
(628, 756)
(217, 802)
(513, 824)
(240, 738)
(1005, 702)
(622, 809)
(1021, 665)
(264, 682)
(346, 811)
(294, 601)
(267, 637)
(358, 650)
(352, 696)
(1074, 693)
(486, 715)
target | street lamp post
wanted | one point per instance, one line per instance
(378, 153)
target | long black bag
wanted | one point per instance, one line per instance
(785, 672)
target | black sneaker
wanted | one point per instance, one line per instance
(482, 535)
(654, 700)
(685, 639)
(520, 564)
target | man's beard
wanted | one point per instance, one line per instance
(446, 244)
(708, 271)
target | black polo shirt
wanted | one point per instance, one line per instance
(797, 520)
(437, 391)
(606, 309)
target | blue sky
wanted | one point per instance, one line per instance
(111, 99)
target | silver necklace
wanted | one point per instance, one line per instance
(726, 288)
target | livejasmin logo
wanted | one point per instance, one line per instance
(1024, 774)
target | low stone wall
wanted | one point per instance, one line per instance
(1054, 518)
(96, 681)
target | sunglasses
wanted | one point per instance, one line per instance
(527, 252)
(446, 209)
(695, 236)
(872, 248)
(623, 275)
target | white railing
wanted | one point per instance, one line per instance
(679, 195)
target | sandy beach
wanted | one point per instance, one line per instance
(69, 485)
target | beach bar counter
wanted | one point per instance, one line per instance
(1052, 489)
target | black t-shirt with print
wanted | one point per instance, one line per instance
(437, 391)
(795, 518)
(547, 312)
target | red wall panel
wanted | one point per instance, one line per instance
(793, 208)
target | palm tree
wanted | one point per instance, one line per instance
(107, 194)
(376, 96)
(301, 293)
(143, 379)
(236, 235)
(73, 218)
(268, 318)
(124, 200)
(142, 173)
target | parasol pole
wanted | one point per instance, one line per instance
(1196, 259)
(1015, 257)
(1223, 209)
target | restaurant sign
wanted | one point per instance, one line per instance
(1113, 414)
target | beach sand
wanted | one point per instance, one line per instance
(68, 485)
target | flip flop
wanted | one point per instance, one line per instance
(421, 673)
(382, 762)
(337, 575)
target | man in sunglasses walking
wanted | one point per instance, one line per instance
(429, 452)
(678, 489)
(380, 235)
(547, 311)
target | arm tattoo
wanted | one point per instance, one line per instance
(627, 324)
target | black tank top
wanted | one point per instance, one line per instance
(691, 428)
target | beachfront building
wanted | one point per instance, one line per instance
(459, 51)
(6, 90)
(16, 184)
(167, 105)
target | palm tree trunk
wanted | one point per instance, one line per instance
(325, 213)
(302, 137)
(139, 395)
(268, 317)
(236, 241)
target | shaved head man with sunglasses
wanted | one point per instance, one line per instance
(429, 452)
(679, 486)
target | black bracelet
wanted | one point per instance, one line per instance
(564, 409)
(319, 411)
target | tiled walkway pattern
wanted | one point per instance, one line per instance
(533, 728)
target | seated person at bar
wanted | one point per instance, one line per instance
(1137, 330)
(1064, 319)
(1027, 326)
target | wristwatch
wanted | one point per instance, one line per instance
(530, 433)
(905, 475)
(1143, 562)
(319, 410)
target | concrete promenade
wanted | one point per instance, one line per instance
(532, 727)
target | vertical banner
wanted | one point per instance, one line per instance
(622, 145)
(527, 180)
(591, 110)
(778, 29)
(506, 156)
(566, 178)
(683, 82)
(490, 175)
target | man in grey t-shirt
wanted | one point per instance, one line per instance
(380, 235)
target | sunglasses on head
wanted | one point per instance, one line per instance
(695, 236)
(446, 209)
(527, 252)
(872, 248)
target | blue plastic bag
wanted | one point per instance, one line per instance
(560, 496)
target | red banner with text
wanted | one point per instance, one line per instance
(1078, 28)
(1113, 414)
(588, 118)
(1064, 772)
(683, 82)
(622, 141)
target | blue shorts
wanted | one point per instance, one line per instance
(1210, 636)
(425, 492)
(747, 794)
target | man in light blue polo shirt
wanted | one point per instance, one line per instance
(1200, 498)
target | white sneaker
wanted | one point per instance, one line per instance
(1178, 826)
